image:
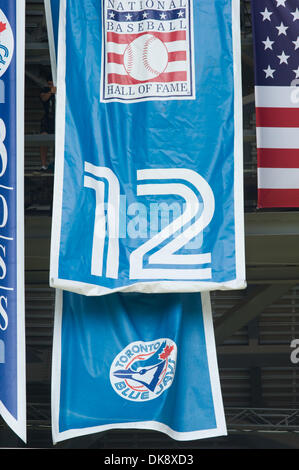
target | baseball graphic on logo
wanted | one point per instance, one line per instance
(145, 58)
(6, 43)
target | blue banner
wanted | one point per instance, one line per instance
(52, 19)
(12, 310)
(128, 361)
(148, 171)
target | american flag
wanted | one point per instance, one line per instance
(276, 44)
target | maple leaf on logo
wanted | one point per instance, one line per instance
(166, 352)
(2, 27)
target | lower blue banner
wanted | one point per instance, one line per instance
(126, 361)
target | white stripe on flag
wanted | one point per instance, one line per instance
(178, 66)
(116, 48)
(173, 46)
(277, 96)
(277, 138)
(116, 68)
(278, 178)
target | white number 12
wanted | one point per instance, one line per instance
(164, 256)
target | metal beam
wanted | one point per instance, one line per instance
(254, 356)
(272, 274)
(252, 306)
(272, 240)
(38, 139)
(266, 419)
(272, 223)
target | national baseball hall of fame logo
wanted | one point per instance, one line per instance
(147, 51)
(142, 371)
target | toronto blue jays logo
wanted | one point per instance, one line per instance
(144, 370)
(6, 43)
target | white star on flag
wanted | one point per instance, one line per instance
(283, 58)
(128, 17)
(180, 13)
(162, 16)
(268, 43)
(282, 29)
(266, 14)
(281, 3)
(296, 72)
(296, 43)
(295, 14)
(269, 72)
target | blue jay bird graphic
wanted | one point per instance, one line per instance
(6, 54)
(146, 372)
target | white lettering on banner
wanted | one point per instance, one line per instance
(4, 319)
(181, 230)
(2, 263)
(2, 352)
(100, 220)
(165, 255)
(3, 151)
(3, 313)
(2, 92)
(99, 231)
(141, 4)
(4, 211)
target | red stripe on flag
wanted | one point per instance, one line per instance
(115, 58)
(178, 55)
(127, 38)
(164, 77)
(268, 198)
(278, 158)
(277, 117)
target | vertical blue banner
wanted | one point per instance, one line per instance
(12, 310)
(135, 361)
(149, 148)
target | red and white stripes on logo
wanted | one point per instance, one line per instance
(176, 69)
(277, 125)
